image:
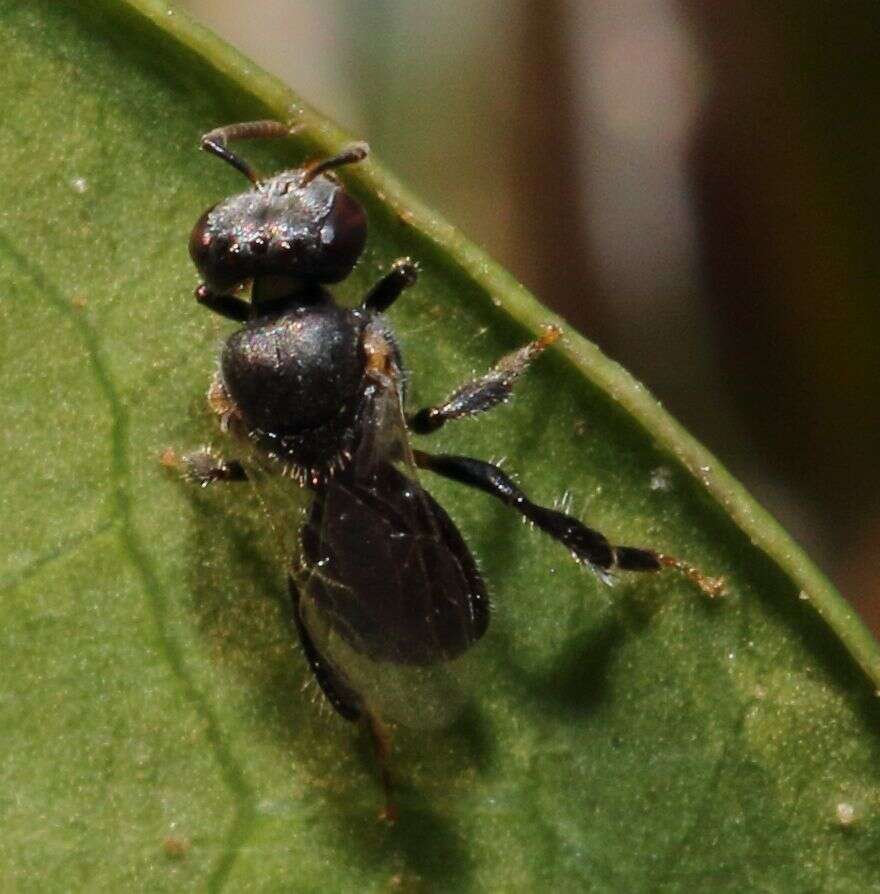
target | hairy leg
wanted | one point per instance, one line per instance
(585, 544)
(485, 392)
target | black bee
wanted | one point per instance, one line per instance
(311, 391)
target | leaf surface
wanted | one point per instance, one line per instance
(154, 731)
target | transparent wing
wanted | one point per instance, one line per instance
(283, 501)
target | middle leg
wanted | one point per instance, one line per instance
(486, 391)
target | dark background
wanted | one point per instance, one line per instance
(693, 185)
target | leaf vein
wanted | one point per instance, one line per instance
(231, 771)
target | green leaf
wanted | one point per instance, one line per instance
(154, 733)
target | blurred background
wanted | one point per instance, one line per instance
(693, 185)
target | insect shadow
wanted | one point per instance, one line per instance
(242, 609)
(575, 682)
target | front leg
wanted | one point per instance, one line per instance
(401, 276)
(204, 466)
(226, 305)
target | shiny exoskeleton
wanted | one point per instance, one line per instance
(314, 391)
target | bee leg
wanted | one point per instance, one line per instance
(585, 544)
(347, 703)
(229, 306)
(381, 736)
(487, 391)
(343, 698)
(204, 466)
(401, 276)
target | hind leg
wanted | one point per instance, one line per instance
(341, 696)
(347, 703)
(585, 544)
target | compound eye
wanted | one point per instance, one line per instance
(343, 236)
(219, 257)
(200, 242)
